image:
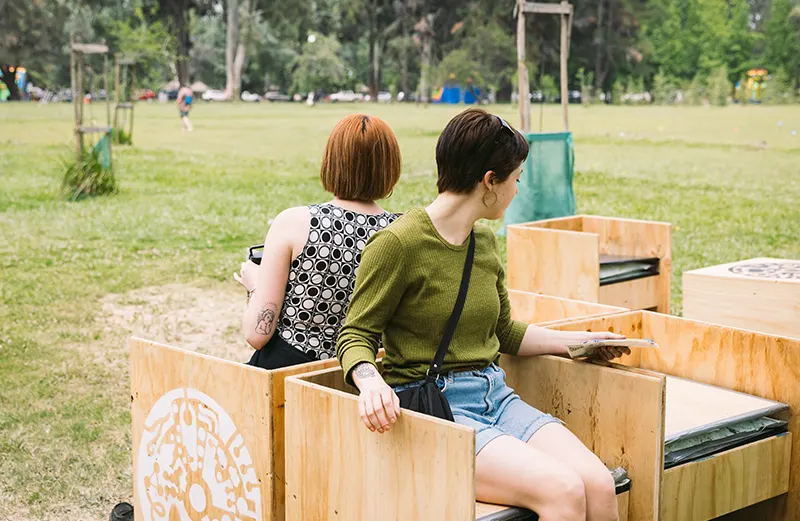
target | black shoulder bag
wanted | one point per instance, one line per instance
(428, 398)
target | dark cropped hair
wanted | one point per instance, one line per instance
(473, 143)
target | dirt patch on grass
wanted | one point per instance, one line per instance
(206, 320)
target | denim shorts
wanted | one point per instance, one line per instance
(481, 400)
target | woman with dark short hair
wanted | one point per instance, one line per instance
(406, 288)
(298, 295)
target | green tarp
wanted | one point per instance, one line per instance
(545, 187)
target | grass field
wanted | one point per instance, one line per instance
(76, 279)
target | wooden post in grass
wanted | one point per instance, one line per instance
(565, 10)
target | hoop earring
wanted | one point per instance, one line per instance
(494, 201)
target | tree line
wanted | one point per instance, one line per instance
(411, 45)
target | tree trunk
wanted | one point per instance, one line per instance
(239, 60)
(599, 41)
(181, 20)
(9, 80)
(373, 52)
(404, 55)
(231, 44)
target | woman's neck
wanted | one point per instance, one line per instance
(367, 207)
(454, 215)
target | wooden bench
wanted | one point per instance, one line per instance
(240, 409)
(562, 257)
(760, 294)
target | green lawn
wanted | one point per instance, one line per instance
(189, 205)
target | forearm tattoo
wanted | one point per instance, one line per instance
(365, 370)
(267, 319)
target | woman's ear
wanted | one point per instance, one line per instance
(489, 179)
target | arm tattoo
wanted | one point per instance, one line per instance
(365, 370)
(267, 319)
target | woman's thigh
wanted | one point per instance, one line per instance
(511, 472)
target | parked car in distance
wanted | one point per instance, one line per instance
(144, 95)
(214, 95)
(538, 96)
(345, 96)
(250, 97)
(384, 97)
(274, 95)
(573, 96)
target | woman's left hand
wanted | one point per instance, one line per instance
(247, 277)
(611, 352)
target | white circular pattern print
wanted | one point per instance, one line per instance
(322, 277)
(193, 464)
(769, 270)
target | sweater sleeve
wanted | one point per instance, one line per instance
(509, 332)
(380, 284)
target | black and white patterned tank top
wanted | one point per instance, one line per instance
(322, 277)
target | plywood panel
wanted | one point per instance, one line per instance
(640, 239)
(544, 309)
(618, 414)
(623, 505)
(692, 405)
(559, 263)
(633, 294)
(278, 377)
(337, 470)
(760, 294)
(572, 223)
(728, 481)
(201, 435)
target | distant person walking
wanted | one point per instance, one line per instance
(184, 101)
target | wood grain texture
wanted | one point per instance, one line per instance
(559, 263)
(545, 310)
(769, 305)
(623, 505)
(643, 293)
(746, 361)
(727, 482)
(238, 391)
(338, 470)
(278, 378)
(617, 413)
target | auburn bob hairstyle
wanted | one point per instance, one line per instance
(361, 160)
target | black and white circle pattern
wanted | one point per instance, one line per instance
(322, 278)
(769, 270)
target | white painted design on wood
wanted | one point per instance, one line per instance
(193, 464)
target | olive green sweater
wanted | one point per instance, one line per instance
(406, 287)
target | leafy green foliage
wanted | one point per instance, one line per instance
(319, 66)
(88, 177)
(719, 88)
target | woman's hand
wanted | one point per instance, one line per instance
(378, 405)
(247, 276)
(607, 353)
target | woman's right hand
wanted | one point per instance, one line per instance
(378, 405)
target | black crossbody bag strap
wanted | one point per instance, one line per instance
(452, 322)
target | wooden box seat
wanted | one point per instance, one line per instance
(569, 257)
(760, 294)
(757, 480)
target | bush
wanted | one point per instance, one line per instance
(719, 87)
(617, 92)
(780, 89)
(121, 137)
(664, 89)
(88, 178)
(694, 91)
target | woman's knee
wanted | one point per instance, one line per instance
(601, 495)
(564, 499)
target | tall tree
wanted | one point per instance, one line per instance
(782, 40)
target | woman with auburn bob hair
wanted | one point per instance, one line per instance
(407, 287)
(297, 297)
